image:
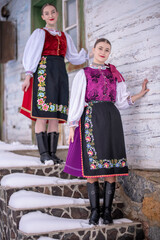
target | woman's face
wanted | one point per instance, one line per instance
(50, 15)
(101, 52)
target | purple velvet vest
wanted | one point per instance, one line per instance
(101, 85)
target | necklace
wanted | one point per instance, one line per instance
(98, 66)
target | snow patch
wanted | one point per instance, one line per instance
(15, 146)
(122, 220)
(20, 180)
(46, 238)
(37, 222)
(28, 200)
(8, 159)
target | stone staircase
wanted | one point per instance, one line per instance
(43, 201)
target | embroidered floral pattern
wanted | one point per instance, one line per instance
(101, 85)
(41, 95)
(94, 162)
(95, 77)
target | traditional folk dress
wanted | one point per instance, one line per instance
(47, 96)
(98, 149)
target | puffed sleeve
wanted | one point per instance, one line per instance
(33, 50)
(72, 54)
(77, 99)
(123, 97)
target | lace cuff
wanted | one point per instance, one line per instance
(130, 102)
(29, 73)
(73, 123)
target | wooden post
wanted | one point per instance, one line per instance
(7, 41)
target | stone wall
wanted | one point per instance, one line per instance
(140, 192)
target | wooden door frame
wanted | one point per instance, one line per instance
(1, 102)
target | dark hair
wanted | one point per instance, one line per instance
(47, 4)
(102, 40)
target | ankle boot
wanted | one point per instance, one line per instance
(93, 195)
(42, 142)
(53, 142)
(109, 189)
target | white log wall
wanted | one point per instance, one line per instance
(17, 127)
(133, 27)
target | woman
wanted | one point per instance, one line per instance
(46, 94)
(96, 137)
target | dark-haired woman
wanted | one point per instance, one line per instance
(46, 84)
(96, 137)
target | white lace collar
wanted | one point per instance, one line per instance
(53, 31)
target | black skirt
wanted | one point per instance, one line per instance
(102, 141)
(50, 89)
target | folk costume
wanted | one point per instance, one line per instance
(98, 149)
(47, 96)
(48, 93)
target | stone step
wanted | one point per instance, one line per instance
(36, 200)
(35, 224)
(23, 202)
(48, 185)
(75, 188)
(25, 159)
(61, 152)
(46, 238)
(37, 169)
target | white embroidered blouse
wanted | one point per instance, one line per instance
(77, 99)
(34, 48)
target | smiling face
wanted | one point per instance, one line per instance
(50, 16)
(101, 52)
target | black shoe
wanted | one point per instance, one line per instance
(109, 190)
(93, 195)
(53, 142)
(42, 142)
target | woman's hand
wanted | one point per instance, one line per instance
(71, 135)
(26, 83)
(144, 88)
(142, 92)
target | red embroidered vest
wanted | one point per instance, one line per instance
(54, 45)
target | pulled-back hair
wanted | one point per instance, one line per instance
(45, 5)
(102, 40)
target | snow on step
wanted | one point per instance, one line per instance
(9, 159)
(19, 180)
(29, 200)
(12, 160)
(46, 238)
(15, 146)
(37, 222)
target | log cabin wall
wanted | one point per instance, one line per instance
(133, 27)
(16, 127)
